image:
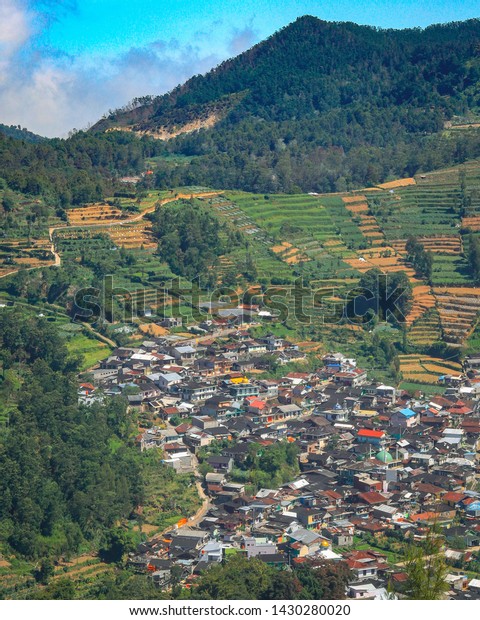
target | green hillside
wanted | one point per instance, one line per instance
(320, 106)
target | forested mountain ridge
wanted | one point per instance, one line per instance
(20, 133)
(321, 106)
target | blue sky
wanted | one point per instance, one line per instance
(63, 63)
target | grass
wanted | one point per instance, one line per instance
(392, 556)
(91, 350)
(422, 387)
(169, 496)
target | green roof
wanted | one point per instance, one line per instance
(384, 456)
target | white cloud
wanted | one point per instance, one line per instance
(51, 93)
(14, 26)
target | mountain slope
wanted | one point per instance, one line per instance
(19, 133)
(320, 106)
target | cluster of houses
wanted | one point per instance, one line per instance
(376, 464)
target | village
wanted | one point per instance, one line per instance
(377, 467)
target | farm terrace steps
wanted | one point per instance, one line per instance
(471, 222)
(458, 310)
(398, 183)
(423, 300)
(441, 244)
(133, 235)
(426, 329)
(95, 214)
(426, 369)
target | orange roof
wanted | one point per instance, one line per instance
(424, 516)
(258, 404)
(366, 432)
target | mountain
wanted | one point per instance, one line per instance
(20, 133)
(319, 106)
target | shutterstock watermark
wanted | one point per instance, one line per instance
(186, 300)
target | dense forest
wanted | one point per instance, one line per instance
(322, 107)
(67, 473)
(190, 239)
(84, 168)
(20, 133)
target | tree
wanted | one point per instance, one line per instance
(324, 579)
(62, 589)
(237, 579)
(421, 260)
(474, 257)
(46, 570)
(8, 203)
(426, 568)
(117, 542)
(379, 296)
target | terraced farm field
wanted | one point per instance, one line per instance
(458, 309)
(71, 242)
(398, 183)
(135, 235)
(413, 210)
(446, 244)
(423, 300)
(425, 369)
(19, 253)
(302, 220)
(90, 349)
(425, 330)
(95, 214)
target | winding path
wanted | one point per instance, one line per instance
(130, 220)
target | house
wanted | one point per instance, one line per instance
(171, 322)
(404, 418)
(194, 391)
(366, 435)
(303, 542)
(211, 552)
(283, 412)
(215, 478)
(273, 343)
(183, 354)
(365, 564)
(256, 546)
(161, 571)
(241, 387)
(311, 518)
(167, 380)
(384, 511)
(472, 361)
(217, 407)
(221, 464)
(371, 590)
(243, 365)
(351, 378)
(341, 533)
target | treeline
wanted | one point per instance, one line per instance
(67, 473)
(236, 578)
(20, 133)
(84, 168)
(474, 257)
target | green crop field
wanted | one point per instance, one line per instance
(90, 349)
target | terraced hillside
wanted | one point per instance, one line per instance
(426, 369)
(329, 240)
